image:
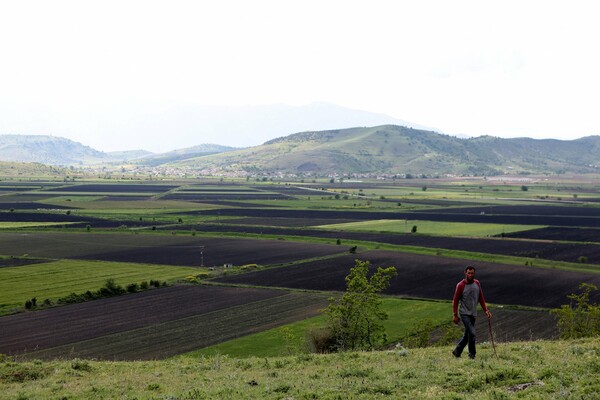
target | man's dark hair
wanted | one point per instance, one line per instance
(469, 267)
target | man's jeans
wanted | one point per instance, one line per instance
(468, 337)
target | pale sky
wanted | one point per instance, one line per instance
(504, 68)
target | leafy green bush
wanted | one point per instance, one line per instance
(111, 288)
(355, 319)
(23, 372)
(132, 287)
(419, 335)
(581, 319)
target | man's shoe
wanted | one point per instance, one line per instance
(455, 353)
(472, 356)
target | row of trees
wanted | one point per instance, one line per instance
(110, 288)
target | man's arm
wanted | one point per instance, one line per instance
(457, 293)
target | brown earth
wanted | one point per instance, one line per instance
(550, 250)
(161, 249)
(152, 324)
(433, 277)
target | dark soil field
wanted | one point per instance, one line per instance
(432, 277)
(117, 188)
(40, 217)
(524, 219)
(160, 249)
(512, 325)
(25, 197)
(74, 220)
(17, 262)
(557, 233)
(28, 205)
(15, 189)
(569, 252)
(152, 324)
(517, 325)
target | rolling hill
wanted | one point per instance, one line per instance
(379, 150)
(58, 151)
(391, 149)
(46, 149)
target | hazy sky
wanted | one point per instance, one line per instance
(503, 68)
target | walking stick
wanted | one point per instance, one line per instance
(492, 336)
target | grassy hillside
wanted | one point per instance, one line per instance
(394, 149)
(29, 171)
(525, 370)
(47, 149)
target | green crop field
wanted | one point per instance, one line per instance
(431, 227)
(60, 278)
(403, 316)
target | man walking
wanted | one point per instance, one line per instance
(468, 293)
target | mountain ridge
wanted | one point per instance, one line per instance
(391, 149)
(378, 150)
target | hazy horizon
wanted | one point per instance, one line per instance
(114, 74)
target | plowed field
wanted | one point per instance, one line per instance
(153, 324)
(556, 233)
(569, 252)
(159, 249)
(431, 277)
(570, 219)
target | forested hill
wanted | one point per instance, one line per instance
(391, 149)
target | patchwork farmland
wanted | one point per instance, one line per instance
(153, 324)
(285, 248)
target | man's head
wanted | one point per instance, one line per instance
(469, 274)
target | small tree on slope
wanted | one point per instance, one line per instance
(581, 319)
(356, 318)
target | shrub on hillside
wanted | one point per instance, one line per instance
(419, 335)
(580, 318)
(133, 287)
(320, 340)
(355, 319)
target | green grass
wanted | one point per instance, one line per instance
(431, 227)
(403, 316)
(60, 278)
(527, 370)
